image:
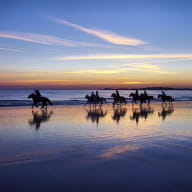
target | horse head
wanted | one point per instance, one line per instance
(32, 95)
(131, 95)
(86, 96)
(113, 95)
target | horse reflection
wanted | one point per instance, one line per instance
(94, 114)
(166, 110)
(39, 118)
(141, 112)
(118, 112)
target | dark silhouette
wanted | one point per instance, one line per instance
(165, 98)
(94, 100)
(95, 114)
(118, 112)
(166, 110)
(117, 93)
(39, 118)
(39, 99)
(143, 97)
(38, 94)
(118, 100)
(142, 112)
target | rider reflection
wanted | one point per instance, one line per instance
(166, 110)
(39, 118)
(141, 112)
(118, 113)
(94, 114)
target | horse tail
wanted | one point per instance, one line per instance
(50, 103)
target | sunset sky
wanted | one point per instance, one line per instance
(95, 43)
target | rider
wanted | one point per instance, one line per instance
(117, 93)
(92, 95)
(136, 93)
(145, 93)
(163, 93)
(38, 94)
(97, 94)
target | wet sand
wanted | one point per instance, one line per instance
(75, 148)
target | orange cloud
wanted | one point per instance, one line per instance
(103, 34)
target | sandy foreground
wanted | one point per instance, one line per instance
(70, 148)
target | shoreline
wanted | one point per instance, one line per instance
(175, 104)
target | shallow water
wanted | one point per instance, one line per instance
(77, 97)
(70, 148)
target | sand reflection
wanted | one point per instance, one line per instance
(95, 114)
(141, 112)
(39, 117)
(118, 113)
(166, 110)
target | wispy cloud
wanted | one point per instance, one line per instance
(95, 57)
(44, 39)
(10, 49)
(103, 34)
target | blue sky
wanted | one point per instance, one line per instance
(95, 43)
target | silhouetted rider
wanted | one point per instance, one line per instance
(37, 92)
(145, 93)
(136, 93)
(117, 93)
(163, 93)
(92, 95)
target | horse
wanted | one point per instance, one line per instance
(89, 100)
(118, 100)
(166, 98)
(136, 98)
(101, 100)
(95, 100)
(145, 97)
(43, 100)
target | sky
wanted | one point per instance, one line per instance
(77, 44)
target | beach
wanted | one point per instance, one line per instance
(75, 148)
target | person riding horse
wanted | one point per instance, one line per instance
(145, 93)
(136, 93)
(163, 93)
(97, 95)
(117, 93)
(37, 98)
(38, 94)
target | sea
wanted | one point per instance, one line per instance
(19, 97)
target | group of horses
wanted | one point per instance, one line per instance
(96, 100)
(120, 100)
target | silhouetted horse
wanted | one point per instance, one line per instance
(165, 98)
(118, 99)
(36, 99)
(93, 100)
(136, 98)
(146, 98)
